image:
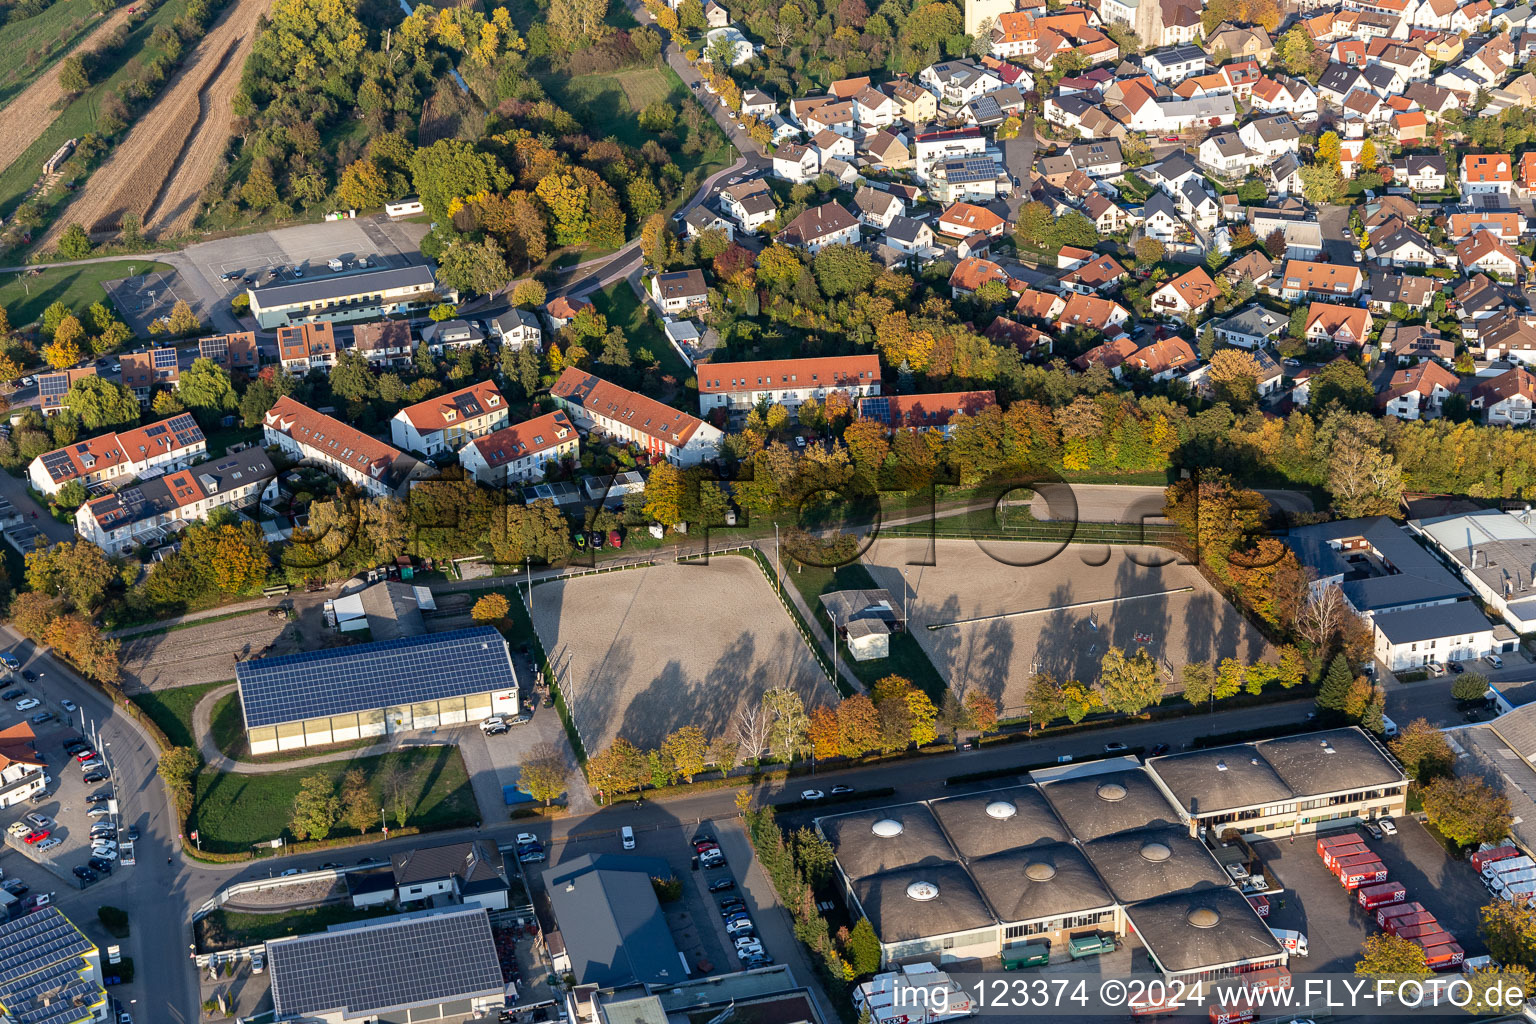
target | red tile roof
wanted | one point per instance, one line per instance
(817, 372)
(527, 438)
(337, 440)
(464, 404)
(638, 412)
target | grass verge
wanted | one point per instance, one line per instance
(234, 812)
(26, 294)
(30, 46)
(171, 709)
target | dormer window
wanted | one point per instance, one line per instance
(450, 415)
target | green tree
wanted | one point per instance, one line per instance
(1321, 183)
(843, 270)
(1342, 384)
(450, 169)
(491, 608)
(615, 349)
(101, 404)
(258, 191)
(685, 751)
(1149, 251)
(1199, 682)
(1129, 685)
(476, 267)
(178, 767)
(1333, 691)
(1494, 989)
(1387, 956)
(788, 723)
(1469, 687)
(1423, 750)
(206, 389)
(863, 948)
(316, 808)
(74, 76)
(528, 294)
(74, 243)
(1467, 810)
(362, 186)
(359, 807)
(352, 378)
(1510, 930)
(543, 774)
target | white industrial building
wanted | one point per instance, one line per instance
(1491, 551)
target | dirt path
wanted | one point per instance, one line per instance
(27, 116)
(136, 175)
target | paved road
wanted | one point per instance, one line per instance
(153, 892)
(1122, 503)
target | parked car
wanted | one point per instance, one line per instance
(131, 833)
(28, 704)
(291, 872)
(747, 952)
(840, 790)
(69, 705)
(493, 725)
(98, 798)
(39, 820)
(1455, 667)
(1115, 748)
(258, 962)
(524, 838)
(13, 694)
(722, 885)
(48, 844)
(93, 764)
(1494, 660)
(84, 754)
(91, 778)
(29, 676)
(15, 886)
(37, 836)
(1375, 832)
(101, 864)
(100, 810)
(1387, 825)
(811, 794)
(41, 717)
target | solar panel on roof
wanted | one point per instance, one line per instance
(53, 384)
(377, 675)
(58, 465)
(164, 358)
(877, 408)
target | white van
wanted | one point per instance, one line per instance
(1388, 727)
(628, 835)
(1494, 660)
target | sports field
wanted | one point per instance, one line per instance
(645, 651)
(974, 594)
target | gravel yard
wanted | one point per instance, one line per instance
(1000, 655)
(649, 650)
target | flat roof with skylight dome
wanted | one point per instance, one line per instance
(1103, 804)
(1211, 929)
(888, 839)
(1146, 863)
(982, 824)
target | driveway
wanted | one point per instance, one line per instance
(1338, 241)
(14, 489)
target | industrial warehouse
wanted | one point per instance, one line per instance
(1086, 854)
(377, 689)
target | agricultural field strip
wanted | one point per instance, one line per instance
(27, 116)
(136, 172)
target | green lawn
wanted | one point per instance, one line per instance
(229, 929)
(31, 46)
(907, 656)
(79, 118)
(235, 812)
(623, 309)
(25, 295)
(171, 710)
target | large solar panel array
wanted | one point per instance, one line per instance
(876, 407)
(59, 465)
(51, 385)
(186, 430)
(215, 348)
(40, 958)
(377, 675)
(367, 969)
(164, 358)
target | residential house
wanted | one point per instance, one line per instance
(448, 422)
(914, 104)
(874, 110)
(796, 163)
(965, 219)
(1484, 173)
(597, 405)
(1272, 135)
(236, 353)
(1389, 289)
(1240, 42)
(1035, 304)
(1253, 266)
(389, 342)
(701, 219)
(1345, 326)
(749, 203)
(146, 514)
(1096, 274)
(821, 226)
(1305, 279)
(1506, 224)
(1173, 65)
(957, 82)
(908, 236)
(305, 347)
(1241, 77)
(1409, 127)
(1338, 81)
(1191, 292)
(451, 336)
(1250, 327)
(1506, 400)
(1396, 246)
(933, 147)
(1282, 95)
(1161, 360)
(877, 208)
(1108, 216)
(1028, 340)
(1161, 220)
(1268, 376)
(830, 146)
(739, 388)
(1433, 100)
(116, 458)
(473, 873)
(23, 773)
(1488, 252)
(375, 468)
(680, 291)
(1110, 354)
(1284, 176)
(144, 371)
(1100, 158)
(1092, 313)
(1410, 342)
(924, 412)
(518, 454)
(1224, 155)
(889, 150)
(53, 388)
(758, 104)
(716, 16)
(971, 273)
(968, 178)
(1416, 392)
(516, 328)
(1421, 172)
(562, 309)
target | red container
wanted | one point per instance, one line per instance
(1482, 857)
(1373, 896)
(1444, 957)
(1398, 925)
(1426, 935)
(1332, 857)
(1352, 876)
(1324, 843)
(1386, 914)
(1260, 904)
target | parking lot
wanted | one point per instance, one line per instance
(1079, 600)
(144, 298)
(1336, 927)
